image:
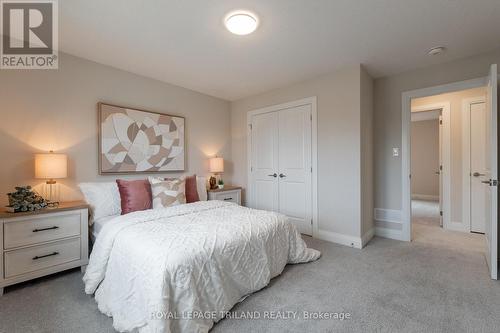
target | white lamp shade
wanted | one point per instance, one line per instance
(51, 166)
(216, 165)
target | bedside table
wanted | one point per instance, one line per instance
(228, 193)
(34, 244)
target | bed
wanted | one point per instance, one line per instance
(180, 269)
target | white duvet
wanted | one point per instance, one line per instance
(179, 269)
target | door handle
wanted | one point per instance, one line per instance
(486, 181)
(273, 175)
(282, 175)
(477, 174)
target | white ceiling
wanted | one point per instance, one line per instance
(184, 42)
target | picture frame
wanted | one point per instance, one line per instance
(133, 141)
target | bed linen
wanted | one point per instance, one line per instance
(98, 224)
(164, 270)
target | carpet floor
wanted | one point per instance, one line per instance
(389, 286)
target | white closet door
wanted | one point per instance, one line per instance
(264, 166)
(478, 166)
(295, 166)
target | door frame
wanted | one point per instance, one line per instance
(445, 151)
(406, 98)
(466, 188)
(314, 150)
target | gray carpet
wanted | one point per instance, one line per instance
(389, 286)
(425, 212)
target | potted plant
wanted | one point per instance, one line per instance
(221, 184)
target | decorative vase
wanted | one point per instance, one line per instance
(221, 186)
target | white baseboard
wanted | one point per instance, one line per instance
(367, 237)
(342, 239)
(389, 233)
(457, 226)
(425, 197)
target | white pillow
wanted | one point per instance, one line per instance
(201, 186)
(103, 199)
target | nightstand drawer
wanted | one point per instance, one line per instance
(24, 231)
(34, 258)
(229, 196)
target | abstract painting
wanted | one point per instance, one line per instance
(133, 141)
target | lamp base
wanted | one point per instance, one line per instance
(213, 183)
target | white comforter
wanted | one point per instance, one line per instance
(179, 269)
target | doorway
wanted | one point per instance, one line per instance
(454, 220)
(427, 165)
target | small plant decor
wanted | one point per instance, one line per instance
(221, 183)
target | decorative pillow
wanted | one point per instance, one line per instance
(103, 199)
(191, 189)
(201, 184)
(167, 193)
(134, 194)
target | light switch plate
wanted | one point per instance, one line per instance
(395, 151)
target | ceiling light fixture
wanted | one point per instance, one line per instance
(241, 22)
(436, 50)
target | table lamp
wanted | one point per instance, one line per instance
(216, 166)
(51, 167)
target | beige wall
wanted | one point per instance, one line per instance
(456, 104)
(366, 100)
(56, 109)
(387, 110)
(425, 157)
(339, 143)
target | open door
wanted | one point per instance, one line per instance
(491, 173)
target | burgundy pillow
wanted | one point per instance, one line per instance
(191, 189)
(134, 194)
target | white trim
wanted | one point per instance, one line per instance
(466, 103)
(425, 197)
(406, 98)
(458, 226)
(314, 151)
(342, 239)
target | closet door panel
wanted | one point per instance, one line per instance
(265, 165)
(295, 166)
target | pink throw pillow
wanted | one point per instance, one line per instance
(191, 189)
(135, 195)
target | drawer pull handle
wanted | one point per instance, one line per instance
(44, 229)
(47, 255)
(227, 199)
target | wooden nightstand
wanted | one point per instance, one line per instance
(228, 193)
(34, 244)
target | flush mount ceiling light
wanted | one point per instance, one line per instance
(241, 22)
(436, 50)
